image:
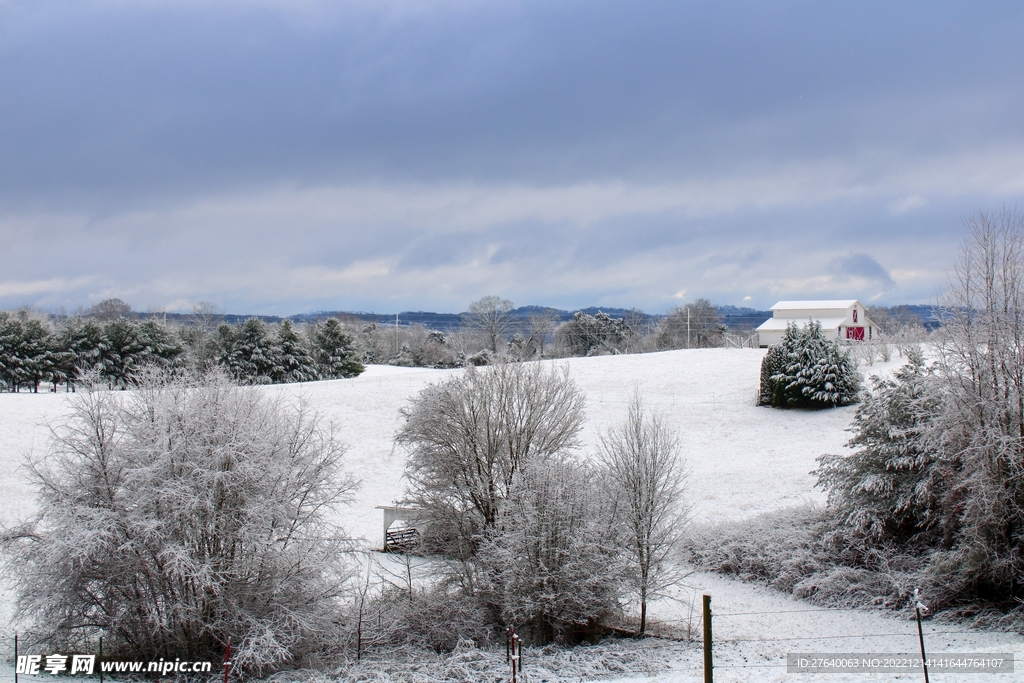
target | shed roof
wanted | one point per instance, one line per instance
(805, 305)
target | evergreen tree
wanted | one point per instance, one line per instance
(161, 347)
(889, 488)
(809, 371)
(122, 351)
(336, 355)
(37, 356)
(223, 346)
(254, 355)
(774, 363)
(294, 361)
(10, 359)
(79, 345)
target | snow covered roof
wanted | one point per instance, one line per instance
(772, 324)
(805, 305)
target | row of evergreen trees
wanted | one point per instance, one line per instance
(33, 353)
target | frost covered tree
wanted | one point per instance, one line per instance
(294, 361)
(160, 346)
(646, 478)
(491, 315)
(981, 356)
(38, 356)
(553, 569)
(469, 436)
(335, 352)
(890, 488)
(589, 334)
(179, 515)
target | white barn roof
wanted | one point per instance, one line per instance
(815, 305)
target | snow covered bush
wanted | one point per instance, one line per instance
(818, 373)
(552, 568)
(179, 515)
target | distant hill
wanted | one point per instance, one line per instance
(736, 318)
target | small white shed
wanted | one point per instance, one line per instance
(839, 319)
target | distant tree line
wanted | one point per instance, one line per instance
(36, 349)
(35, 352)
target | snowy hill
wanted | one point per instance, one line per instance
(744, 459)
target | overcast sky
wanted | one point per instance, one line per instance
(285, 157)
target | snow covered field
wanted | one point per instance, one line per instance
(744, 460)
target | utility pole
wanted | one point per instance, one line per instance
(687, 327)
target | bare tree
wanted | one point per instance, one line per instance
(647, 478)
(207, 315)
(695, 325)
(981, 354)
(491, 316)
(470, 436)
(109, 309)
(541, 327)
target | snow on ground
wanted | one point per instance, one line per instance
(745, 460)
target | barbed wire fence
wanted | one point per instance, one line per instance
(911, 640)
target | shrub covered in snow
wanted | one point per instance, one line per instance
(551, 567)
(180, 515)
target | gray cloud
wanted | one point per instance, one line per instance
(865, 267)
(279, 156)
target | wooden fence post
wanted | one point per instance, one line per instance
(708, 678)
(920, 632)
(227, 661)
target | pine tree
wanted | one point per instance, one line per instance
(121, 352)
(889, 488)
(816, 373)
(37, 357)
(80, 344)
(161, 347)
(294, 362)
(10, 360)
(336, 355)
(254, 355)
